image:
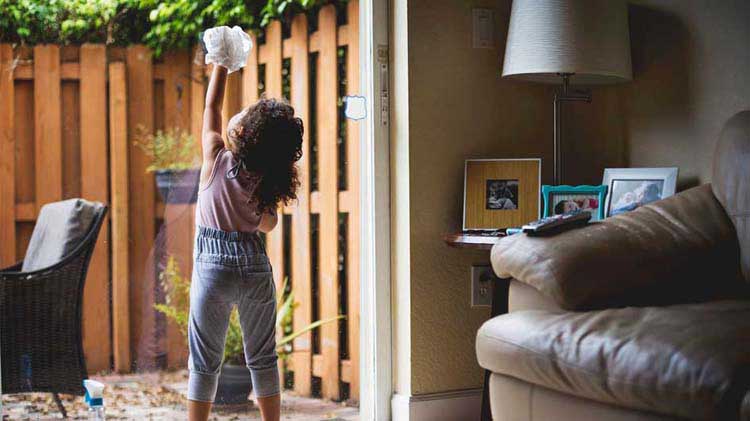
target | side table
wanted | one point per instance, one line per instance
(499, 295)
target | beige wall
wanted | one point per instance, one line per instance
(459, 108)
(690, 70)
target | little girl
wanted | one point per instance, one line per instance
(241, 185)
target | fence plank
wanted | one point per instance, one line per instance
(250, 75)
(25, 176)
(197, 103)
(300, 252)
(197, 96)
(352, 147)
(275, 239)
(232, 100)
(7, 158)
(178, 218)
(118, 150)
(93, 85)
(47, 124)
(177, 70)
(141, 207)
(328, 182)
(70, 107)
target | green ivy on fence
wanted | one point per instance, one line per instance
(162, 25)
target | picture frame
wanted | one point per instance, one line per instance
(630, 188)
(501, 193)
(585, 197)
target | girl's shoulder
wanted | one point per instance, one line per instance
(208, 172)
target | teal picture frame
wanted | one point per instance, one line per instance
(599, 191)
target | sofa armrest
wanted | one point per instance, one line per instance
(680, 249)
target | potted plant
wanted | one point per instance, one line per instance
(175, 163)
(235, 383)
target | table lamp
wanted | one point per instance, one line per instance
(569, 42)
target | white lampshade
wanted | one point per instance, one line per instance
(588, 38)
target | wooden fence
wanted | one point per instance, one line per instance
(67, 120)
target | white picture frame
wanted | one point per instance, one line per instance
(626, 187)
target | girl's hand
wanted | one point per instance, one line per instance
(227, 47)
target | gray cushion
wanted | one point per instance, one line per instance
(59, 229)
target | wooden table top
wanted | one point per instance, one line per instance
(473, 241)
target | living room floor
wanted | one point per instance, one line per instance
(161, 396)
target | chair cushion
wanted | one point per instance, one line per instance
(689, 360)
(59, 228)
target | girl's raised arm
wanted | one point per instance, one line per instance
(212, 141)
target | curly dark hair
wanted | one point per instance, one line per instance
(268, 143)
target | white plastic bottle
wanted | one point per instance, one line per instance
(94, 398)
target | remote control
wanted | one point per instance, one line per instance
(551, 223)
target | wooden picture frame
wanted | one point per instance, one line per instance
(501, 193)
(585, 193)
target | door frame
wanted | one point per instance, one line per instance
(376, 386)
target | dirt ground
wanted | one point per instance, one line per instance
(161, 396)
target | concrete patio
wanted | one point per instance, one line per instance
(161, 396)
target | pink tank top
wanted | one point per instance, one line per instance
(225, 202)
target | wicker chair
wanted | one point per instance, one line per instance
(40, 322)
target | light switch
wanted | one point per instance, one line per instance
(484, 28)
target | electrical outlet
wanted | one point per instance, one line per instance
(482, 282)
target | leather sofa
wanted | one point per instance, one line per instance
(642, 316)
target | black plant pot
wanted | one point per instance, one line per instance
(178, 186)
(235, 384)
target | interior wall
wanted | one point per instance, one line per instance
(690, 75)
(459, 108)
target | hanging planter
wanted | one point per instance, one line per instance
(174, 162)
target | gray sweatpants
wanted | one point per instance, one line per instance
(231, 268)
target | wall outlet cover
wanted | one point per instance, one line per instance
(482, 282)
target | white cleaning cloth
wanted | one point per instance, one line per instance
(227, 47)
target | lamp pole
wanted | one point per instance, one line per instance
(563, 96)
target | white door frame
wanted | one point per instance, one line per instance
(376, 387)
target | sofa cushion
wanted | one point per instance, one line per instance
(662, 253)
(689, 360)
(731, 179)
(59, 229)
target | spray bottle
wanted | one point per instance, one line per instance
(94, 398)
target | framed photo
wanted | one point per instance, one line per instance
(630, 188)
(501, 193)
(561, 199)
